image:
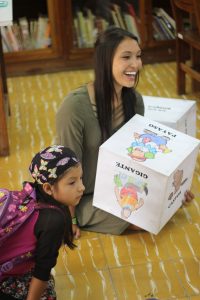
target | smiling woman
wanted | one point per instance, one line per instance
(92, 113)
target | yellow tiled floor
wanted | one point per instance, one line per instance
(133, 266)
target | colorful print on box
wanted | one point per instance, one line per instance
(147, 145)
(128, 192)
(178, 181)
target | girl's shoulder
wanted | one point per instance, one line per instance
(51, 219)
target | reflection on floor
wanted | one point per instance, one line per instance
(134, 266)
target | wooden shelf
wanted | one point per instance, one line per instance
(62, 55)
(4, 107)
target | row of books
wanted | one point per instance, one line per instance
(164, 26)
(26, 35)
(87, 25)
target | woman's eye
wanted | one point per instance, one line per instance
(126, 57)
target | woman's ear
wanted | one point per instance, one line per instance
(47, 188)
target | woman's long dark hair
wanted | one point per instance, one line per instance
(105, 47)
(42, 197)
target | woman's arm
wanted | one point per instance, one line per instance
(70, 124)
(36, 289)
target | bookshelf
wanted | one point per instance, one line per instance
(4, 107)
(65, 51)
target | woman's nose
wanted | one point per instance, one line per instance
(136, 64)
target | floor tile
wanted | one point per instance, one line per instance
(87, 285)
(183, 241)
(189, 273)
(157, 279)
(86, 257)
(132, 249)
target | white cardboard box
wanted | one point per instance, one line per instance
(143, 172)
(6, 13)
(176, 113)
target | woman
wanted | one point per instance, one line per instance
(92, 113)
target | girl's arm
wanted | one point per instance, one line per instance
(76, 230)
(36, 289)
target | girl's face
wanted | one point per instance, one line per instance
(126, 63)
(69, 189)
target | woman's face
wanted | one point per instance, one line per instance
(126, 63)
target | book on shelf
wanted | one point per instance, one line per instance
(170, 23)
(157, 33)
(26, 34)
(131, 20)
(163, 22)
(43, 33)
(76, 33)
(168, 35)
(26, 39)
(114, 18)
(119, 15)
(90, 28)
(33, 32)
(12, 38)
(160, 11)
(125, 17)
(18, 34)
(131, 25)
(82, 28)
(86, 26)
(101, 24)
(5, 42)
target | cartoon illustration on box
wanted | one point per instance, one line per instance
(178, 181)
(147, 145)
(127, 190)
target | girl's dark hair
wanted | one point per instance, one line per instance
(42, 197)
(105, 47)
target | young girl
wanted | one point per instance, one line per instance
(58, 183)
(92, 113)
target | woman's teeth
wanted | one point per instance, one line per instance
(130, 73)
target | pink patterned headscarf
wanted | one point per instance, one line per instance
(48, 164)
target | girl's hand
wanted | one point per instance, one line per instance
(76, 231)
(189, 196)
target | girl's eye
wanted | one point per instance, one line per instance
(126, 57)
(72, 182)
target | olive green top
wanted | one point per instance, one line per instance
(78, 128)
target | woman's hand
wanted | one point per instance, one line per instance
(189, 196)
(76, 231)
